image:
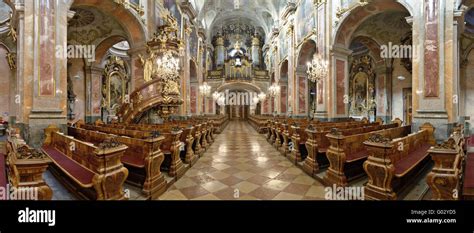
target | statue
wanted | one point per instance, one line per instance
(147, 66)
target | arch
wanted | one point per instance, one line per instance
(351, 22)
(104, 47)
(373, 46)
(239, 86)
(306, 52)
(130, 22)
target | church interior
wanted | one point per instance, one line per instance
(236, 100)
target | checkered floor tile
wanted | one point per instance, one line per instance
(242, 165)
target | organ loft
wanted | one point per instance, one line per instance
(237, 100)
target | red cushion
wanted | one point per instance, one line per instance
(412, 159)
(469, 172)
(356, 155)
(3, 173)
(78, 172)
(133, 161)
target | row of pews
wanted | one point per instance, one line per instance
(452, 177)
(95, 160)
(390, 155)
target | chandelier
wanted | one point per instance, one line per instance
(205, 89)
(216, 95)
(274, 90)
(317, 70)
(262, 96)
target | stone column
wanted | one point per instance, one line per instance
(93, 92)
(219, 50)
(433, 66)
(382, 92)
(292, 94)
(186, 77)
(339, 72)
(323, 33)
(42, 75)
(256, 51)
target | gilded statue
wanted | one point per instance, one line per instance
(147, 64)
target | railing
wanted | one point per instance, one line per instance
(229, 75)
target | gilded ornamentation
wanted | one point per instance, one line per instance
(450, 144)
(12, 31)
(378, 138)
(109, 143)
(25, 152)
(11, 58)
(115, 86)
(335, 132)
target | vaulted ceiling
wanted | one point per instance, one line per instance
(259, 13)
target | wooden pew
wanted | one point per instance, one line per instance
(143, 158)
(259, 123)
(346, 154)
(300, 136)
(393, 162)
(170, 145)
(191, 137)
(25, 167)
(317, 143)
(94, 172)
(444, 179)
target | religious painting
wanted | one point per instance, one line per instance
(362, 87)
(359, 90)
(47, 54)
(116, 84)
(304, 20)
(302, 94)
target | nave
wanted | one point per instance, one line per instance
(242, 165)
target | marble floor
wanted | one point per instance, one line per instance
(242, 165)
